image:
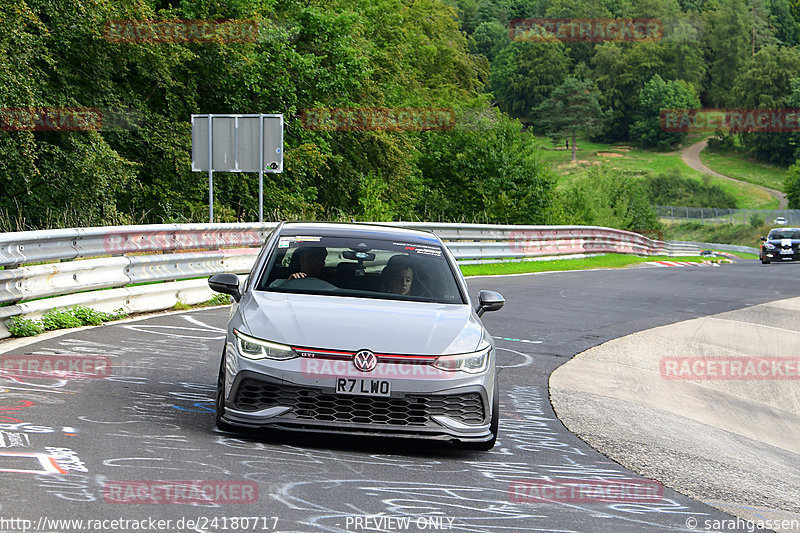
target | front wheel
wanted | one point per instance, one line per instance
(764, 261)
(219, 403)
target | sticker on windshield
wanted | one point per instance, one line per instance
(284, 242)
(421, 249)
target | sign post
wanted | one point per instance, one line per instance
(237, 143)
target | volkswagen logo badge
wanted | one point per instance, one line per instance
(365, 361)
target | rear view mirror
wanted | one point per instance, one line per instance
(226, 284)
(358, 256)
(763, 239)
(489, 301)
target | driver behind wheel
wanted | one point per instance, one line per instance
(308, 261)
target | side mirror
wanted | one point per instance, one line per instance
(764, 239)
(226, 284)
(489, 301)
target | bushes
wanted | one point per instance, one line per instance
(606, 197)
(671, 188)
(23, 327)
(60, 319)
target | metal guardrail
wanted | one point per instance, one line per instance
(101, 267)
(722, 215)
(725, 247)
(22, 247)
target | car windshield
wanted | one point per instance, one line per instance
(359, 267)
(785, 234)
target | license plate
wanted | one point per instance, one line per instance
(363, 387)
(786, 252)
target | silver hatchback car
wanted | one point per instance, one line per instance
(359, 329)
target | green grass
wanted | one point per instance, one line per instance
(642, 161)
(741, 167)
(740, 255)
(602, 261)
(740, 234)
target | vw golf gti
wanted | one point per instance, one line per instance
(359, 329)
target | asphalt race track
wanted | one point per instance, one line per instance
(151, 419)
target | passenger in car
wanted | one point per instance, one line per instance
(397, 276)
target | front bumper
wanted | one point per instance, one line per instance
(776, 255)
(285, 395)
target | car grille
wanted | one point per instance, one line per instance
(312, 404)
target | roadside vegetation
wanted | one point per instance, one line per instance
(739, 166)
(78, 316)
(72, 317)
(677, 184)
(457, 54)
(587, 263)
(739, 234)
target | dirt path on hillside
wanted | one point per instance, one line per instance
(691, 156)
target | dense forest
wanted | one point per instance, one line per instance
(454, 54)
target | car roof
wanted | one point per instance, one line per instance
(784, 229)
(367, 231)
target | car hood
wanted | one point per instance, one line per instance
(784, 242)
(344, 323)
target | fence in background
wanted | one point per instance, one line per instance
(712, 215)
(150, 268)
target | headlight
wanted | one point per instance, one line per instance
(769, 246)
(473, 363)
(253, 348)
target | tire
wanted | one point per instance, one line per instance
(764, 261)
(219, 403)
(493, 427)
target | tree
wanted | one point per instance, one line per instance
(489, 38)
(571, 108)
(620, 71)
(791, 185)
(525, 73)
(728, 49)
(490, 171)
(683, 58)
(767, 83)
(784, 22)
(606, 197)
(656, 96)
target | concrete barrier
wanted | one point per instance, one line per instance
(733, 443)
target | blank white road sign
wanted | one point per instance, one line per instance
(235, 143)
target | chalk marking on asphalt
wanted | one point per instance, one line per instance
(197, 322)
(528, 359)
(519, 340)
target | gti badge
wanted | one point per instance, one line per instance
(365, 361)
